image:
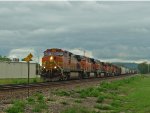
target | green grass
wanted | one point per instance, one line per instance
(38, 107)
(19, 81)
(77, 109)
(89, 92)
(62, 93)
(129, 95)
(100, 98)
(37, 102)
(138, 99)
(50, 99)
(31, 100)
(103, 107)
(108, 87)
(17, 107)
(64, 103)
(78, 101)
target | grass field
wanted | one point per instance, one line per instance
(124, 96)
(19, 81)
(138, 96)
(129, 95)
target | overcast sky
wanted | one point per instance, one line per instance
(111, 31)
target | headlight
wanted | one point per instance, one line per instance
(51, 58)
(44, 67)
(55, 67)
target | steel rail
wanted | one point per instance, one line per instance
(54, 84)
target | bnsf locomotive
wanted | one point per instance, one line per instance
(58, 64)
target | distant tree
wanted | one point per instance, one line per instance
(143, 68)
(4, 58)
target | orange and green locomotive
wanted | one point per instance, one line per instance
(59, 64)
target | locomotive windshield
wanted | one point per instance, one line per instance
(53, 53)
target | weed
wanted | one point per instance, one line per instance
(39, 97)
(76, 110)
(100, 99)
(100, 89)
(31, 100)
(19, 80)
(83, 94)
(103, 106)
(116, 103)
(78, 101)
(39, 106)
(36, 109)
(94, 93)
(34, 80)
(62, 93)
(89, 92)
(18, 107)
(64, 103)
(38, 102)
(50, 99)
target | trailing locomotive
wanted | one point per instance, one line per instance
(58, 64)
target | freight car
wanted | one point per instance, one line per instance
(58, 64)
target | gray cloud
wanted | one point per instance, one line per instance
(107, 30)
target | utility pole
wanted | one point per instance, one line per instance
(28, 59)
(148, 67)
(83, 52)
(28, 76)
(38, 63)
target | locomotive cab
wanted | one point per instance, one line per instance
(52, 63)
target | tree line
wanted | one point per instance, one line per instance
(4, 58)
(144, 67)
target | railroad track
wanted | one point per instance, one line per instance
(20, 91)
(53, 84)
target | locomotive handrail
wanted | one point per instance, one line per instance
(59, 67)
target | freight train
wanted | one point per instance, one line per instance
(59, 64)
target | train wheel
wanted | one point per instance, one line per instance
(95, 75)
(88, 75)
(66, 76)
(80, 76)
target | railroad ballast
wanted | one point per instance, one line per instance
(58, 64)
